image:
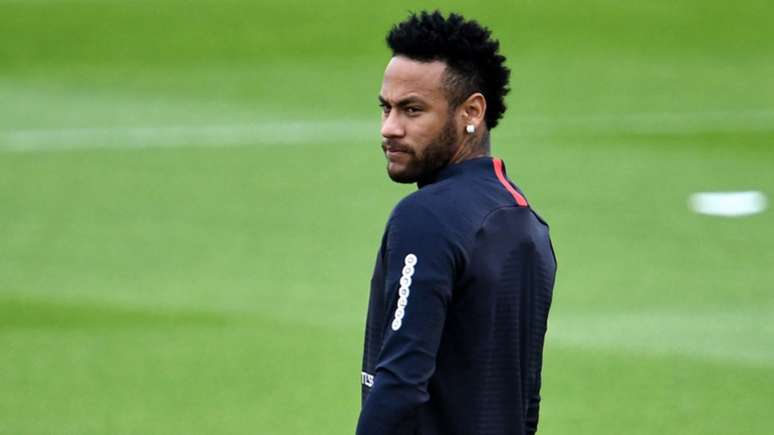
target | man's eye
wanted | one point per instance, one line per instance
(413, 110)
(385, 108)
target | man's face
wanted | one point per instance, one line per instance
(419, 130)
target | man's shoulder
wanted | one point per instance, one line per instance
(433, 201)
(418, 199)
(421, 219)
(418, 207)
(441, 206)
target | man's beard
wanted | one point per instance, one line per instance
(435, 156)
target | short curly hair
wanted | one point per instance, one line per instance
(473, 63)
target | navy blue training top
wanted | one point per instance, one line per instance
(458, 309)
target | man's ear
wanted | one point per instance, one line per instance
(474, 110)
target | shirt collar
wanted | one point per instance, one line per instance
(472, 166)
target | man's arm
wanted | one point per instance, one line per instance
(533, 406)
(420, 270)
(545, 289)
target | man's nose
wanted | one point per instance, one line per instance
(391, 125)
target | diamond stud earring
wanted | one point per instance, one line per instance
(470, 128)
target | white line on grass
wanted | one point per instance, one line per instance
(728, 204)
(305, 131)
(266, 133)
(654, 122)
(739, 337)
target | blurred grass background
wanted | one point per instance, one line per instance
(192, 195)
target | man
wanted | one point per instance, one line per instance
(463, 280)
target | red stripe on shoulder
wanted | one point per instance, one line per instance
(498, 168)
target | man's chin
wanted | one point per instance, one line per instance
(401, 174)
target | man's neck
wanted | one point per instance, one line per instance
(472, 146)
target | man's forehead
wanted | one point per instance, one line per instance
(404, 76)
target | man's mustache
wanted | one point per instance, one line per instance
(395, 146)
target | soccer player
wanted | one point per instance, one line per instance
(463, 280)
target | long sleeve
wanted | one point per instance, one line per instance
(420, 263)
(533, 406)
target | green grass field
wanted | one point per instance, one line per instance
(192, 195)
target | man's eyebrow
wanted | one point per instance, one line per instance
(401, 103)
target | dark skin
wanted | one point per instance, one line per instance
(421, 131)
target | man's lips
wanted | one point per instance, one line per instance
(395, 151)
(392, 153)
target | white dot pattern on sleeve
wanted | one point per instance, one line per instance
(403, 292)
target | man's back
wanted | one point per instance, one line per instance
(458, 308)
